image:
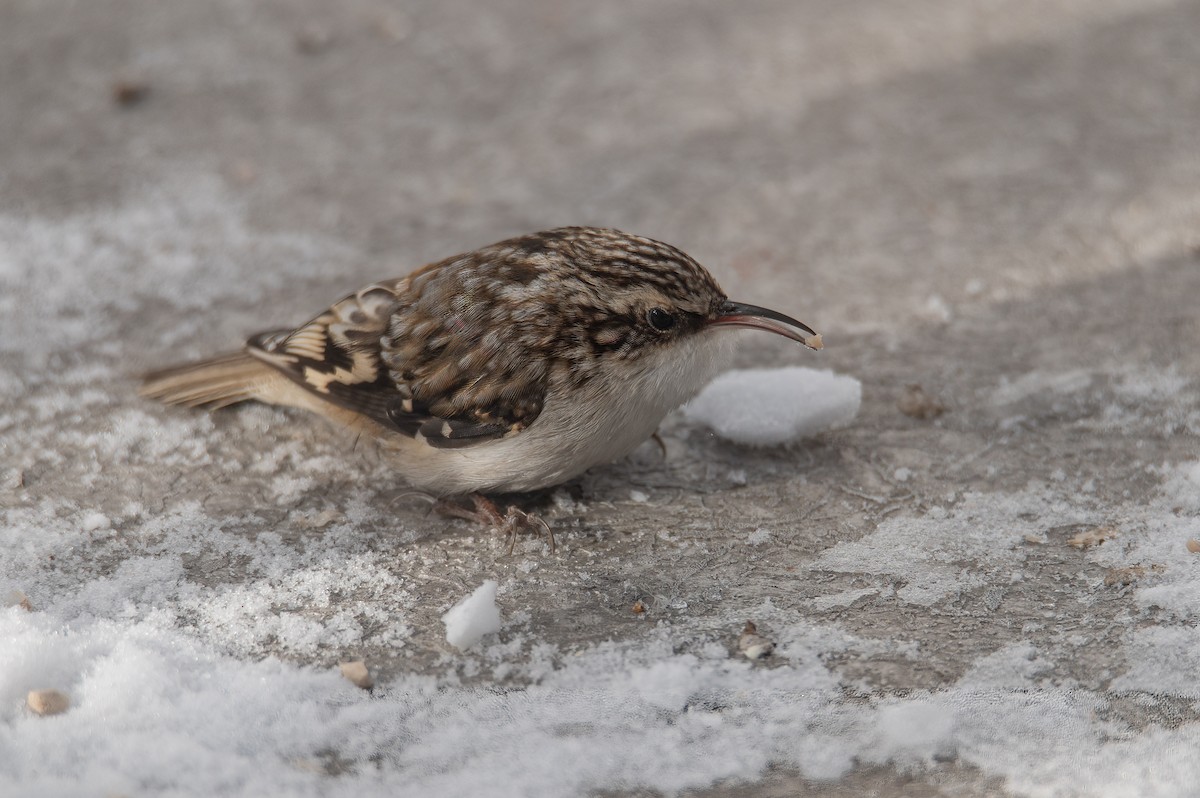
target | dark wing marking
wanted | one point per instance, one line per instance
(445, 433)
(415, 420)
(453, 433)
(337, 356)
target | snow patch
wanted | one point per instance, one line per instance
(473, 618)
(929, 555)
(766, 407)
(758, 536)
(1041, 382)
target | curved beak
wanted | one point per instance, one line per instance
(738, 314)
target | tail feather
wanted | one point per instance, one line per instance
(214, 383)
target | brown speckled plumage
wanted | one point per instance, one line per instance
(451, 342)
(475, 349)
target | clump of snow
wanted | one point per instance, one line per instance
(1041, 382)
(94, 521)
(263, 727)
(765, 407)
(476, 616)
(936, 309)
(928, 553)
(759, 536)
(1143, 384)
(909, 731)
(1014, 667)
(1182, 485)
(1168, 662)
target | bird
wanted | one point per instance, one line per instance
(506, 369)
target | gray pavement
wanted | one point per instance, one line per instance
(997, 201)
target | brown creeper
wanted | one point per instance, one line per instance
(510, 368)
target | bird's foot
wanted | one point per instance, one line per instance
(485, 511)
(516, 519)
(662, 447)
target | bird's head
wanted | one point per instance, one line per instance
(623, 296)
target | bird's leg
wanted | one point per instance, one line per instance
(662, 447)
(485, 512)
(516, 518)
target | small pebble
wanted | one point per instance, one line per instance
(313, 41)
(129, 92)
(1121, 577)
(18, 599)
(1091, 537)
(752, 644)
(393, 27)
(915, 402)
(12, 479)
(357, 673)
(1193, 546)
(243, 172)
(47, 702)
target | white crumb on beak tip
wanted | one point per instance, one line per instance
(764, 407)
(471, 619)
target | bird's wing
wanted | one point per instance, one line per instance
(436, 395)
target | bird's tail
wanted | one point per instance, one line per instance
(214, 383)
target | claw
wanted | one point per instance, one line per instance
(486, 512)
(515, 518)
(662, 447)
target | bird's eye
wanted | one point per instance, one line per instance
(660, 319)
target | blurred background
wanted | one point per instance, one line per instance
(861, 164)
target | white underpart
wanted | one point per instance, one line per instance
(604, 420)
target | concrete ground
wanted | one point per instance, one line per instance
(999, 202)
